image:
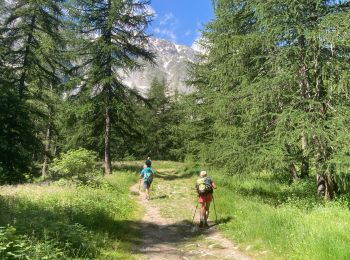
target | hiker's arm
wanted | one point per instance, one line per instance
(141, 176)
(214, 185)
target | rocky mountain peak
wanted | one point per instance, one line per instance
(171, 64)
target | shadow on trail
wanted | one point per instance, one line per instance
(160, 197)
(220, 221)
(174, 233)
(129, 167)
(86, 229)
(173, 175)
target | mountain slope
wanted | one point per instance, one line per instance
(171, 64)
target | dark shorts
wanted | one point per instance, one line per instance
(147, 184)
(205, 198)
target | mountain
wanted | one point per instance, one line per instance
(171, 65)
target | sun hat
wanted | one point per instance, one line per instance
(203, 174)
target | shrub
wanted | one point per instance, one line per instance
(14, 246)
(75, 165)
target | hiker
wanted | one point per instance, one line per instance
(204, 186)
(147, 176)
(148, 161)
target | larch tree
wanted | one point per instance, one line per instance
(274, 76)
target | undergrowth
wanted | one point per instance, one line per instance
(68, 221)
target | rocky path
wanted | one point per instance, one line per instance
(167, 233)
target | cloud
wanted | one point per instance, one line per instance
(166, 26)
(166, 33)
(188, 33)
(168, 18)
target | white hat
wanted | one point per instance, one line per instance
(203, 174)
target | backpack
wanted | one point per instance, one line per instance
(148, 175)
(204, 186)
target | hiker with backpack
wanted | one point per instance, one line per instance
(204, 186)
(147, 176)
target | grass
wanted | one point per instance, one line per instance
(287, 220)
(265, 215)
(69, 222)
(173, 190)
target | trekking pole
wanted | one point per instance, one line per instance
(194, 213)
(216, 217)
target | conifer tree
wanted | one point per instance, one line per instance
(31, 35)
(157, 120)
(30, 39)
(272, 80)
(113, 37)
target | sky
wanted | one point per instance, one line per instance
(180, 21)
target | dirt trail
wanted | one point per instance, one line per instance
(168, 238)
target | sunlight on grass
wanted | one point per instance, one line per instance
(61, 222)
(287, 220)
(265, 215)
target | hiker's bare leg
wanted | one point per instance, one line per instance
(147, 193)
(207, 205)
(202, 214)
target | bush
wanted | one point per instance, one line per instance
(75, 165)
(14, 246)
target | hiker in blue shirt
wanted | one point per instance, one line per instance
(147, 176)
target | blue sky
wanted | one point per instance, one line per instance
(180, 21)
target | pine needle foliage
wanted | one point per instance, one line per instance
(276, 82)
(31, 43)
(111, 37)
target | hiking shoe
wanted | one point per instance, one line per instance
(201, 224)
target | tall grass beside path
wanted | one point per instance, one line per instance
(282, 220)
(68, 222)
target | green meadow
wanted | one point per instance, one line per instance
(267, 213)
(68, 221)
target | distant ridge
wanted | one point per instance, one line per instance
(171, 65)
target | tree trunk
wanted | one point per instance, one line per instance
(323, 177)
(293, 172)
(47, 140)
(329, 186)
(107, 36)
(321, 184)
(108, 162)
(305, 167)
(305, 94)
(305, 163)
(291, 166)
(47, 149)
(325, 186)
